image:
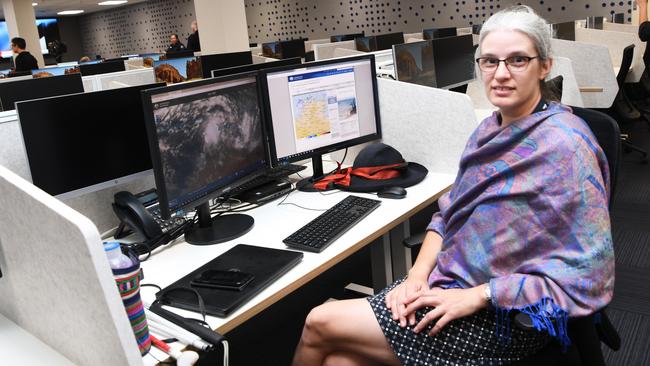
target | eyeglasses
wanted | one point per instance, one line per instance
(513, 63)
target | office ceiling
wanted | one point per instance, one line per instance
(50, 8)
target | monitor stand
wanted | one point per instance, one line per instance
(307, 184)
(214, 230)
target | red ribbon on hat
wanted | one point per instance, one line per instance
(343, 176)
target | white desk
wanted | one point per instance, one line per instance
(22, 348)
(274, 223)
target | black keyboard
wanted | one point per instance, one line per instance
(323, 230)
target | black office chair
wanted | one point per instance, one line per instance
(586, 333)
(623, 110)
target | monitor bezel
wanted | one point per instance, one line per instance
(460, 83)
(262, 66)
(395, 68)
(113, 182)
(156, 160)
(275, 161)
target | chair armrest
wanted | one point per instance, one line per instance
(606, 331)
(414, 240)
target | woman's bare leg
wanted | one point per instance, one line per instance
(343, 327)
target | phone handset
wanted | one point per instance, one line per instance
(133, 214)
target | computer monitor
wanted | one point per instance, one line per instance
(618, 18)
(272, 50)
(206, 138)
(434, 33)
(54, 71)
(255, 67)
(20, 90)
(595, 22)
(179, 54)
(386, 41)
(81, 143)
(413, 63)
(91, 62)
(223, 60)
(116, 59)
(293, 48)
(321, 107)
(101, 68)
(454, 61)
(178, 70)
(476, 29)
(366, 44)
(565, 31)
(346, 37)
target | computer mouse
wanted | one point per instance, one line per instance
(392, 192)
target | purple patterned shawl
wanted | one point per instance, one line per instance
(528, 213)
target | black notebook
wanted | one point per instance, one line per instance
(265, 264)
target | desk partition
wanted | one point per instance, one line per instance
(56, 282)
(325, 51)
(427, 125)
(616, 43)
(593, 70)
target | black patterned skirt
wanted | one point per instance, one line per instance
(472, 340)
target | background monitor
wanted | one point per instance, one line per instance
(618, 18)
(116, 59)
(91, 62)
(413, 63)
(206, 138)
(82, 143)
(434, 33)
(366, 44)
(54, 71)
(20, 90)
(255, 67)
(180, 54)
(321, 107)
(565, 31)
(101, 68)
(346, 37)
(386, 41)
(178, 70)
(595, 22)
(454, 61)
(293, 48)
(223, 60)
(272, 50)
(476, 29)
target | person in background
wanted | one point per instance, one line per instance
(84, 59)
(644, 28)
(175, 45)
(24, 61)
(193, 40)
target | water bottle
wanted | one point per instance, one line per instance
(116, 259)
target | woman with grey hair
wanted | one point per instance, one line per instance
(525, 228)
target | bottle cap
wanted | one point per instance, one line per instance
(110, 245)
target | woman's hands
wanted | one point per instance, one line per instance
(397, 298)
(448, 305)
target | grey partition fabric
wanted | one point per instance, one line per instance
(593, 68)
(12, 149)
(56, 282)
(325, 51)
(96, 205)
(570, 89)
(616, 41)
(427, 125)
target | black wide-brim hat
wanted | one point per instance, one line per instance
(380, 154)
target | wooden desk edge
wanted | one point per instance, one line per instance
(241, 318)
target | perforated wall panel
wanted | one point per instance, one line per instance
(145, 27)
(270, 20)
(138, 28)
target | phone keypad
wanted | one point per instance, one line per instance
(167, 225)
